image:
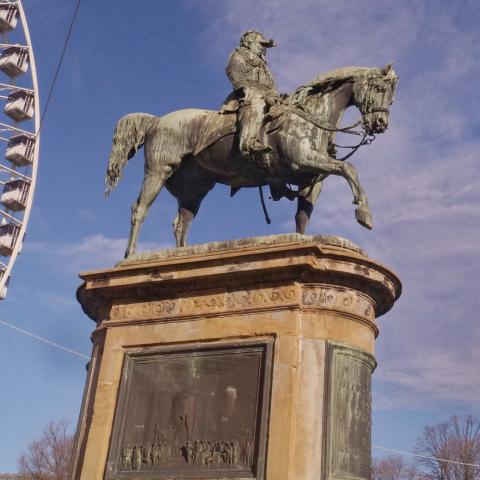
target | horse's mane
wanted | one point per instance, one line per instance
(337, 76)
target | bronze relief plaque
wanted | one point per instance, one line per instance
(348, 413)
(194, 412)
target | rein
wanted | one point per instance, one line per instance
(364, 141)
(324, 125)
(349, 130)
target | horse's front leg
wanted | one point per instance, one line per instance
(362, 212)
(307, 197)
(324, 164)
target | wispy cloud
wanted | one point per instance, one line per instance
(93, 251)
(54, 302)
(419, 376)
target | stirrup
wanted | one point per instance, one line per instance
(255, 147)
(260, 149)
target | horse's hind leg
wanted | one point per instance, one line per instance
(307, 197)
(152, 184)
(181, 224)
(189, 201)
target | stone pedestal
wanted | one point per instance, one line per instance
(243, 359)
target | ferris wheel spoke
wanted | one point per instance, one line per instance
(14, 173)
(6, 86)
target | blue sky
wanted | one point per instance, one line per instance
(422, 178)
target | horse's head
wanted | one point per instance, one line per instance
(373, 94)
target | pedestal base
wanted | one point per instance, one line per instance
(245, 359)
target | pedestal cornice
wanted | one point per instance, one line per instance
(286, 271)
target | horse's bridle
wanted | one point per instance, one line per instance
(300, 111)
(309, 117)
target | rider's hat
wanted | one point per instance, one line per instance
(253, 36)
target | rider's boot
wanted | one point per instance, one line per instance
(251, 118)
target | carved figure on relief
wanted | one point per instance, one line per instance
(204, 453)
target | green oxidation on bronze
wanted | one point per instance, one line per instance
(348, 413)
(240, 243)
(258, 138)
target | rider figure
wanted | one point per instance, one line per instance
(253, 84)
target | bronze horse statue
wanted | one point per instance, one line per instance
(301, 136)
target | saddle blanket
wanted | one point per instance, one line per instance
(221, 124)
(218, 126)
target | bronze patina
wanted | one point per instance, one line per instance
(196, 412)
(348, 450)
(189, 151)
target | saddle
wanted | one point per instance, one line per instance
(225, 122)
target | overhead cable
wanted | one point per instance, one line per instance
(424, 456)
(59, 65)
(25, 332)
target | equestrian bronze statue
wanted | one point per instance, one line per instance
(189, 151)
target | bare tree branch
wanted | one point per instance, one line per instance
(48, 458)
(457, 439)
(392, 467)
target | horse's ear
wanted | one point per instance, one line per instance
(386, 69)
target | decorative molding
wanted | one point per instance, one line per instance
(226, 301)
(92, 304)
(326, 297)
(339, 299)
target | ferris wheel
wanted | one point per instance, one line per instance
(19, 134)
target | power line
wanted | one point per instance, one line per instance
(59, 65)
(25, 332)
(424, 456)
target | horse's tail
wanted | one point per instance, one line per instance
(128, 138)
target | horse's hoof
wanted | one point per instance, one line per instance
(364, 217)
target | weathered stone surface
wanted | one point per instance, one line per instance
(204, 248)
(297, 294)
(310, 411)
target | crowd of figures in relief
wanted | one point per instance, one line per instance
(200, 453)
